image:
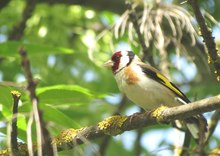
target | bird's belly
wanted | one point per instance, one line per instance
(150, 97)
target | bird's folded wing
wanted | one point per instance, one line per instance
(157, 76)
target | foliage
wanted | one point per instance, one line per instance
(67, 45)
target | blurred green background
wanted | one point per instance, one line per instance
(68, 41)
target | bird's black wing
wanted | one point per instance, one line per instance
(157, 76)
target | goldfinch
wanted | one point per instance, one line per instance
(148, 88)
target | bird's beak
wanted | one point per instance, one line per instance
(108, 64)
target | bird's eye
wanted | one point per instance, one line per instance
(116, 58)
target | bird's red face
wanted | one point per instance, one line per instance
(116, 57)
(120, 60)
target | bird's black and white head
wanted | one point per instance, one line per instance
(120, 60)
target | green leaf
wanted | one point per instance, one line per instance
(59, 94)
(5, 96)
(58, 117)
(11, 48)
(21, 122)
(6, 102)
(22, 134)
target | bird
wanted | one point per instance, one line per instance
(149, 88)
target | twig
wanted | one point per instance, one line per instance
(186, 143)
(138, 138)
(138, 142)
(208, 39)
(104, 145)
(27, 71)
(134, 20)
(29, 136)
(12, 84)
(18, 29)
(106, 139)
(212, 124)
(14, 132)
(43, 139)
(4, 3)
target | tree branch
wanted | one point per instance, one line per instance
(184, 111)
(117, 6)
(208, 39)
(116, 125)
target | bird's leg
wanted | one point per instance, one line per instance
(134, 115)
(158, 114)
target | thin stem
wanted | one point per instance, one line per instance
(14, 132)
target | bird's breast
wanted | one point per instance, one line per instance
(131, 77)
(144, 91)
